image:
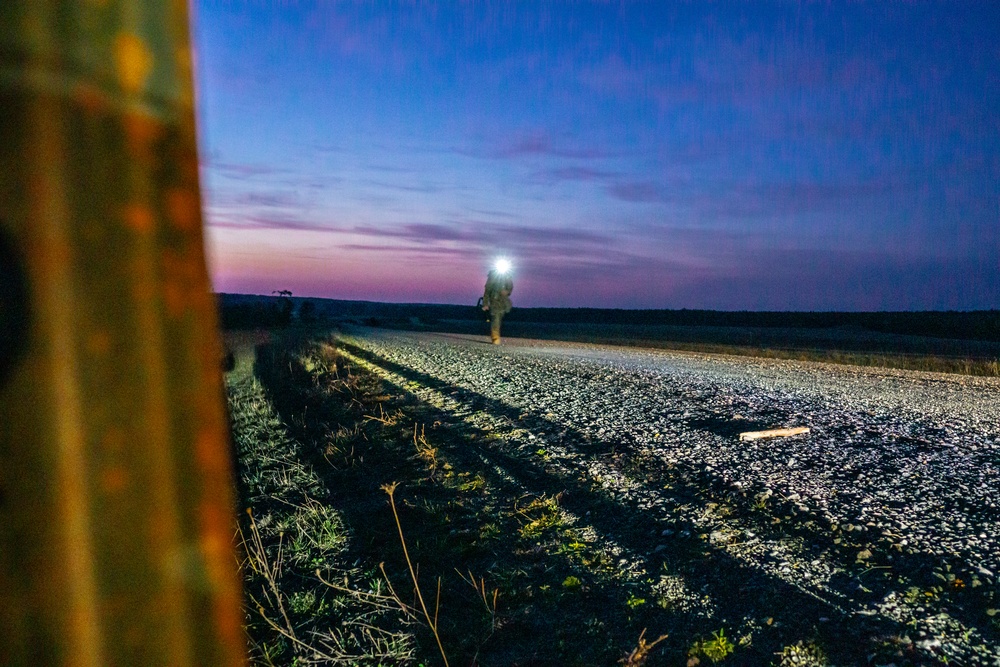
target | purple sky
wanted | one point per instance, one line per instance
(752, 156)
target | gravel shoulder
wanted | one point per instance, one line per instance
(882, 520)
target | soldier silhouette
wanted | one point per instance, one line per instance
(496, 296)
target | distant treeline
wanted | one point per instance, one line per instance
(243, 311)
(237, 311)
(969, 325)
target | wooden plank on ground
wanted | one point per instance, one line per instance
(773, 433)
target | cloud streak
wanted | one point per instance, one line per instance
(535, 143)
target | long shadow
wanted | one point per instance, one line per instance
(739, 590)
(690, 481)
(364, 506)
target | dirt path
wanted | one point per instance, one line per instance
(875, 537)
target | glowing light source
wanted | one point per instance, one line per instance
(502, 265)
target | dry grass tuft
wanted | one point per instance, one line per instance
(641, 652)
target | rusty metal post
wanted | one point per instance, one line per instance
(115, 481)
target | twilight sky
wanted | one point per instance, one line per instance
(739, 156)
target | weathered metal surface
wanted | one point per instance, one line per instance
(115, 481)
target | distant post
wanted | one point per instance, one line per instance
(116, 512)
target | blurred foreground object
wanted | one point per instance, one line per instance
(116, 515)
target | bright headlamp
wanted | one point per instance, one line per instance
(502, 266)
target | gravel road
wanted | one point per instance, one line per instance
(888, 509)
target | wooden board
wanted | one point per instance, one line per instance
(773, 433)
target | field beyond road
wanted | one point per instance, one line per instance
(601, 492)
(949, 342)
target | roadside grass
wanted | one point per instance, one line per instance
(912, 362)
(863, 348)
(929, 363)
(715, 648)
(305, 604)
(479, 557)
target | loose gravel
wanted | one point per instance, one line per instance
(898, 478)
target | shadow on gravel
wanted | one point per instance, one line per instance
(738, 589)
(871, 564)
(537, 638)
(727, 427)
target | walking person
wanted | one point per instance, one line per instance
(496, 296)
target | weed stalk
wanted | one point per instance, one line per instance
(390, 489)
(641, 652)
